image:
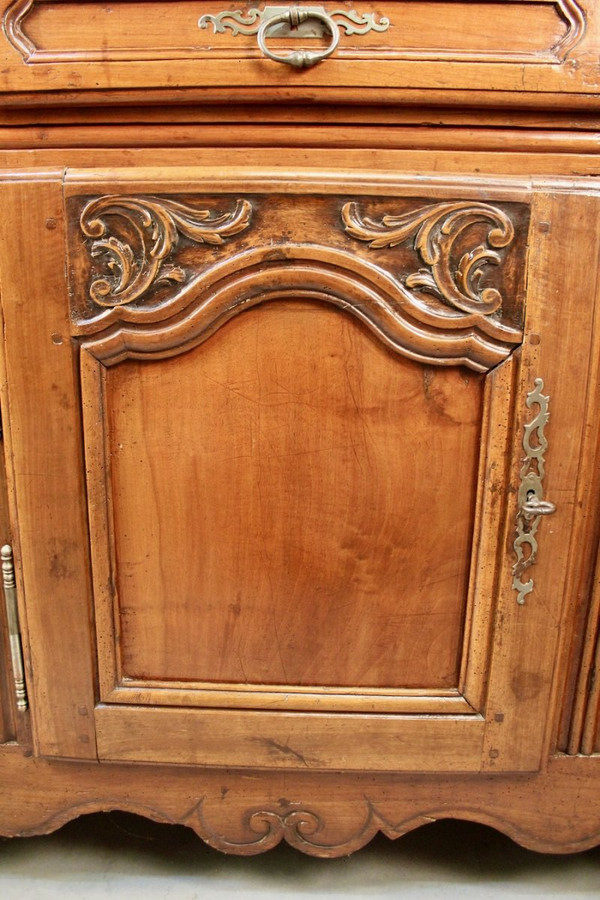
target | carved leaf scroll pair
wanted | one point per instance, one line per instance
(135, 237)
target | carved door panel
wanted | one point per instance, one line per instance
(312, 453)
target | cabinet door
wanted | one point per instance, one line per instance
(282, 469)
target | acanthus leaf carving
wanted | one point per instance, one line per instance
(435, 230)
(157, 224)
(245, 279)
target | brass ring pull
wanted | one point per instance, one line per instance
(294, 16)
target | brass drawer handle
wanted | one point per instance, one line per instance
(294, 16)
(284, 21)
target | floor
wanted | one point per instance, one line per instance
(117, 855)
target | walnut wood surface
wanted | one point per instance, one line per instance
(507, 677)
(111, 520)
(520, 46)
(471, 166)
(264, 412)
(420, 30)
(326, 433)
(578, 711)
(326, 816)
(514, 680)
(309, 135)
(55, 543)
(535, 123)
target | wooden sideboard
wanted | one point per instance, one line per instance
(299, 385)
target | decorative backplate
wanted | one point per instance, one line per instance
(531, 506)
(249, 21)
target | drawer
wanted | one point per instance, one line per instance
(519, 47)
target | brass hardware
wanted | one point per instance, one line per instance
(295, 22)
(16, 652)
(535, 507)
(531, 503)
(300, 59)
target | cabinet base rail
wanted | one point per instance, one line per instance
(324, 815)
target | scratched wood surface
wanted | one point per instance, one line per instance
(257, 603)
(224, 559)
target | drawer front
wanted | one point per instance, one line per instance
(515, 46)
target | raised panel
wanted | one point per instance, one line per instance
(285, 507)
(319, 546)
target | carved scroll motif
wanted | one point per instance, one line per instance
(157, 224)
(306, 830)
(435, 230)
(354, 819)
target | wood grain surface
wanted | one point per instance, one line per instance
(270, 340)
(518, 46)
(325, 815)
(272, 492)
